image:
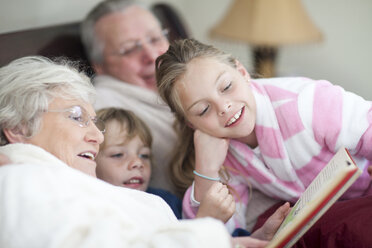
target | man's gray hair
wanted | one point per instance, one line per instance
(92, 44)
(29, 84)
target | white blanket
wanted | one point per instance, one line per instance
(147, 105)
(45, 203)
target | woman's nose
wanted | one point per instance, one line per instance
(94, 134)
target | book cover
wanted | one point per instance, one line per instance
(331, 182)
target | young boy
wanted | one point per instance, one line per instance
(125, 155)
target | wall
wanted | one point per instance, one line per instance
(24, 14)
(343, 57)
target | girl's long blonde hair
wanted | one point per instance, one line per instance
(169, 68)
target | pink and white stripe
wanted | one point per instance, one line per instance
(300, 124)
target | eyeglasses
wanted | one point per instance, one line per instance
(81, 117)
(131, 48)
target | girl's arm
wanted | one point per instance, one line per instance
(210, 153)
(339, 118)
(4, 159)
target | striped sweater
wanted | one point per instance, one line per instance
(300, 125)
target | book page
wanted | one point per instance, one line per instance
(326, 188)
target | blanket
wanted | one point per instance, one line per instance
(45, 203)
(346, 224)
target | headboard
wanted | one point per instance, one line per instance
(52, 41)
(64, 39)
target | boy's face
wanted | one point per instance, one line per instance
(123, 162)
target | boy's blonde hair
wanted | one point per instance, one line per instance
(130, 123)
(169, 68)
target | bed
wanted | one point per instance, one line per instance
(64, 40)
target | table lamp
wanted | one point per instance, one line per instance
(266, 25)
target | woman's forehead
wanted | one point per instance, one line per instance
(62, 103)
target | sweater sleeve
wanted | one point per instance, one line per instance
(341, 118)
(190, 206)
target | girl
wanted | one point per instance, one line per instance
(272, 134)
(125, 160)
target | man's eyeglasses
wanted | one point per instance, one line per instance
(81, 117)
(131, 48)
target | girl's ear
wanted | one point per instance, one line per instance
(190, 125)
(15, 135)
(242, 70)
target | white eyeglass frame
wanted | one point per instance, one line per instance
(138, 44)
(96, 121)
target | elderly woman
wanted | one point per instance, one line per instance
(50, 106)
(49, 135)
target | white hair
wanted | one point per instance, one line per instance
(93, 45)
(27, 86)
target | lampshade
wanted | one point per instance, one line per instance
(267, 23)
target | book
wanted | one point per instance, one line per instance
(331, 182)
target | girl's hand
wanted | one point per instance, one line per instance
(217, 203)
(267, 231)
(4, 159)
(248, 242)
(210, 153)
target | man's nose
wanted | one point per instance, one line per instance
(150, 53)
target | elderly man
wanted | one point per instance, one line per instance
(122, 39)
